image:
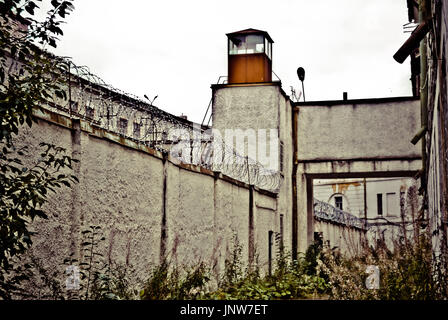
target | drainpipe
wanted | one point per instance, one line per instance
(163, 231)
(295, 111)
(365, 211)
(251, 227)
(423, 16)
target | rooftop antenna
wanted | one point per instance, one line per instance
(301, 75)
(294, 95)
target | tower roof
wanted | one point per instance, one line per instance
(251, 31)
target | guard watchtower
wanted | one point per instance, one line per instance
(249, 56)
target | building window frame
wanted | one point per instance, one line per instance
(339, 202)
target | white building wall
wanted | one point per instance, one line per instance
(149, 207)
(397, 195)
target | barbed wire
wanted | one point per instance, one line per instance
(325, 211)
(89, 97)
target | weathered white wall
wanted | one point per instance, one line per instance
(121, 189)
(246, 106)
(265, 219)
(387, 226)
(231, 222)
(352, 191)
(347, 240)
(358, 130)
(395, 187)
(265, 107)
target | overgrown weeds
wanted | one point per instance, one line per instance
(290, 279)
(407, 272)
(173, 283)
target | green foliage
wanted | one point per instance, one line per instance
(407, 273)
(90, 265)
(112, 283)
(233, 265)
(167, 283)
(31, 278)
(23, 192)
(290, 280)
(29, 78)
(100, 280)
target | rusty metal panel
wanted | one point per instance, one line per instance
(247, 68)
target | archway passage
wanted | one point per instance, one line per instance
(367, 138)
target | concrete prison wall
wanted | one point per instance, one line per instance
(148, 205)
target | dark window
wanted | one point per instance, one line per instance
(379, 203)
(90, 112)
(73, 106)
(123, 126)
(338, 202)
(136, 130)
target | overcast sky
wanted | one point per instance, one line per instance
(177, 49)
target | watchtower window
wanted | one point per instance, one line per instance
(247, 44)
(268, 48)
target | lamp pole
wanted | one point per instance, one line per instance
(301, 75)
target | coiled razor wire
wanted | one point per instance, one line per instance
(325, 211)
(218, 156)
(89, 97)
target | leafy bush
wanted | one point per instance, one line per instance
(290, 279)
(167, 283)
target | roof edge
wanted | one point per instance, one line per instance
(355, 101)
(251, 31)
